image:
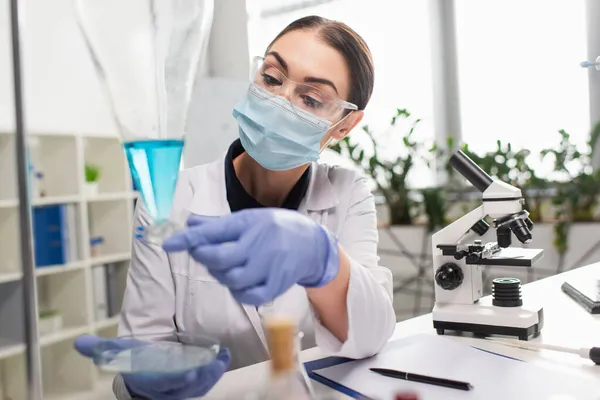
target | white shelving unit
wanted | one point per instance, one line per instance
(67, 288)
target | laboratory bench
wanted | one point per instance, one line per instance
(566, 323)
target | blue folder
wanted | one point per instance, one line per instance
(50, 235)
(327, 362)
(312, 366)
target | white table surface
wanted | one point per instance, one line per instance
(565, 323)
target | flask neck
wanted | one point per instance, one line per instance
(286, 379)
(287, 385)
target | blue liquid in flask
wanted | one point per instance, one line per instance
(154, 166)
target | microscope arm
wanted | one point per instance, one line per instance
(455, 231)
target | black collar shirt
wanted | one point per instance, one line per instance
(239, 199)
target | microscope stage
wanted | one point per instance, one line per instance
(512, 257)
(483, 318)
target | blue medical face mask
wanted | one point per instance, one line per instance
(276, 134)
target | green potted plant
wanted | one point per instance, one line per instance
(434, 208)
(50, 320)
(434, 201)
(577, 187)
(92, 175)
(400, 236)
(388, 174)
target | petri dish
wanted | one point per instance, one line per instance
(172, 352)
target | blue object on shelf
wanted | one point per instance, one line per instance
(50, 235)
(95, 241)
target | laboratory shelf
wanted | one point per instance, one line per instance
(9, 203)
(112, 197)
(66, 290)
(80, 395)
(64, 371)
(102, 153)
(57, 269)
(10, 258)
(108, 331)
(107, 323)
(12, 376)
(63, 334)
(43, 201)
(10, 277)
(55, 200)
(102, 391)
(54, 162)
(111, 258)
(8, 176)
(10, 348)
(106, 220)
(12, 322)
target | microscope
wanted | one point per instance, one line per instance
(460, 254)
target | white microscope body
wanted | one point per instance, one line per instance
(459, 258)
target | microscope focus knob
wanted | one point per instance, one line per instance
(449, 276)
(459, 255)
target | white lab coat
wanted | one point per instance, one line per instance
(172, 291)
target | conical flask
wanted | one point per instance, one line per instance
(146, 54)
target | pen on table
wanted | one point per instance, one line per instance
(407, 376)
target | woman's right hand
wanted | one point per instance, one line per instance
(173, 386)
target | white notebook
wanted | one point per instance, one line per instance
(493, 377)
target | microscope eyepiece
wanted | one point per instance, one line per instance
(471, 171)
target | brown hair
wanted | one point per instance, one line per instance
(352, 47)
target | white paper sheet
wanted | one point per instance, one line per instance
(493, 377)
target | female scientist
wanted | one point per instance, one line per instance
(293, 236)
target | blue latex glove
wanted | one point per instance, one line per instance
(169, 386)
(260, 253)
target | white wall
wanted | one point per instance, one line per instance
(593, 43)
(211, 128)
(62, 92)
(61, 89)
(228, 55)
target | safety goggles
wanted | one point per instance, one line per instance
(316, 101)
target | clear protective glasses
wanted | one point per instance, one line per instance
(319, 102)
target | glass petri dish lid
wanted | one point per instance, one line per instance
(164, 353)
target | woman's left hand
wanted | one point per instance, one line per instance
(260, 253)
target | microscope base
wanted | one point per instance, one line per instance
(487, 320)
(487, 330)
